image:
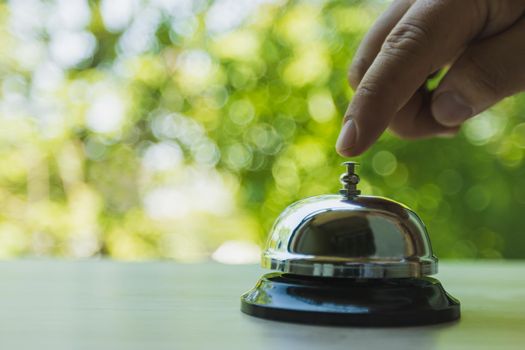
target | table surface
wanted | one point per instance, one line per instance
(97, 304)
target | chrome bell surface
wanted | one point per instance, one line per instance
(350, 236)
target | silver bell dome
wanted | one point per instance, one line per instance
(349, 236)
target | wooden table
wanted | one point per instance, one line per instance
(164, 305)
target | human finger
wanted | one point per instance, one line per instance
(419, 44)
(373, 40)
(487, 72)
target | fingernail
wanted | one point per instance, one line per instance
(450, 109)
(347, 136)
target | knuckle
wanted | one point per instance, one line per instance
(369, 89)
(408, 38)
(373, 90)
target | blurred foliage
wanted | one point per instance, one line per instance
(151, 129)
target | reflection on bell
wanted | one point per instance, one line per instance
(350, 260)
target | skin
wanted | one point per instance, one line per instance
(482, 42)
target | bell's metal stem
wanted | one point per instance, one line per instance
(350, 180)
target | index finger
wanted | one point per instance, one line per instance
(374, 38)
(428, 35)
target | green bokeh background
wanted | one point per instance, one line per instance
(179, 125)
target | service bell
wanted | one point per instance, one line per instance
(350, 259)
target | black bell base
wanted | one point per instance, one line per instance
(350, 302)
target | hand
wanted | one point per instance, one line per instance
(483, 43)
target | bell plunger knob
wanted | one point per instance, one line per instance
(349, 180)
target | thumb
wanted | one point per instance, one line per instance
(484, 74)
